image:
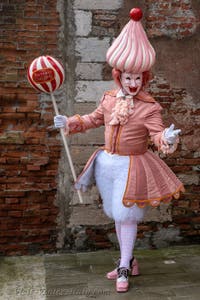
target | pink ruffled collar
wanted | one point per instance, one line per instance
(122, 110)
(124, 106)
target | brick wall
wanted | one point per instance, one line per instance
(29, 153)
(38, 208)
(174, 19)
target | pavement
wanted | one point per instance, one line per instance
(168, 274)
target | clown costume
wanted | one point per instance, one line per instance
(129, 177)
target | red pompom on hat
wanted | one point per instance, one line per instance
(131, 51)
(136, 14)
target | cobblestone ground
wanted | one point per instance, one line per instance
(169, 274)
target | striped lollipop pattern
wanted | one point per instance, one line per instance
(45, 74)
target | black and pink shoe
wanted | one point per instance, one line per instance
(134, 269)
(122, 283)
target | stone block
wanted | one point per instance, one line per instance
(189, 179)
(92, 49)
(113, 238)
(191, 144)
(88, 215)
(84, 108)
(159, 214)
(164, 236)
(89, 197)
(98, 4)
(89, 71)
(83, 22)
(92, 91)
(80, 154)
(196, 154)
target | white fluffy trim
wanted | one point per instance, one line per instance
(111, 173)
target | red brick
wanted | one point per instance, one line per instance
(195, 219)
(193, 233)
(11, 200)
(13, 116)
(16, 214)
(2, 160)
(12, 161)
(33, 168)
(16, 247)
(11, 193)
(185, 227)
(9, 109)
(3, 240)
(183, 203)
(3, 214)
(188, 161)
(37, 239)
(195, 204)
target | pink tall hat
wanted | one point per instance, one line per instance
(131, 51)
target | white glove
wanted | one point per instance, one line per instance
(171, 135)
(60, 121)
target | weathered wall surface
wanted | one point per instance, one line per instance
(38, 207)
(29, 152)
(172, 27)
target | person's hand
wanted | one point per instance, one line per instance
(60, 121)
(171, 135)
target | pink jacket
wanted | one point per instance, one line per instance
(149, 179)
(131, 138)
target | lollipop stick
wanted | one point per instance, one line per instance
(66, 147)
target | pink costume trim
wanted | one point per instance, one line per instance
(144, 184)
(66, 129)
(74, 124)
(154, 202)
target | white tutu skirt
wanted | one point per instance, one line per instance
(111, 174)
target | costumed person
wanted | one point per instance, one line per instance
(128, 175)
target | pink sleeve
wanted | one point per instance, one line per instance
(154, 124)
(79, 123)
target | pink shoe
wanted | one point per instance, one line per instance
(122, 283)
(134, 269)
(112, 275)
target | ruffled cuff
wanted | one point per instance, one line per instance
(66, 129)
(165, 147)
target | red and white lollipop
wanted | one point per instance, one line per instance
(46, 74)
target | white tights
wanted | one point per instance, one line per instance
(126, 234)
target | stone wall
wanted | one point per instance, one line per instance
(172, 27)
(39, 209)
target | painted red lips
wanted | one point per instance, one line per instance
(133, 89)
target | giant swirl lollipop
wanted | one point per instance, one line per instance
(46, 74)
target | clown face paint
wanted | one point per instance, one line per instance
(131, 83)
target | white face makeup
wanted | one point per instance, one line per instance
(131, 83)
